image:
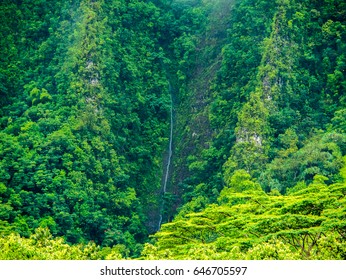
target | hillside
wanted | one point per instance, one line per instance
(181, 129)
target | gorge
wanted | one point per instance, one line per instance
(172, 129)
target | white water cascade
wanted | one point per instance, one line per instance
(170, 152)
(170, 144)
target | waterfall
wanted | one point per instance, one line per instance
(164, 188)
(170, 145)
(160, 221)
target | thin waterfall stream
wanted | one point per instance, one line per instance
(170, 152)
(170, 142)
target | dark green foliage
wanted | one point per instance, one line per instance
(83, 125)
(321, 155)
(258, 94)
(276, 76)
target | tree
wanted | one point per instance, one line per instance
(250, 224)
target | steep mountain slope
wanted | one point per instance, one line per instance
(272, 97)
(222, 120)
(84, 123)
(276, 126)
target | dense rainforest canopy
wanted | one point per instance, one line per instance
(172, 129)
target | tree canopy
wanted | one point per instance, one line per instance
(252, 90)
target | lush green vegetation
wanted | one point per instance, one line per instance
(258, 91)
(247, 223)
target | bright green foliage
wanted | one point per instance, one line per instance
(250, 224)
(83, 125)
(279, 86)
(339, 120)
(42, 246)
(258, 95)
(250, 149)
(322, 154)
(240, 182)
